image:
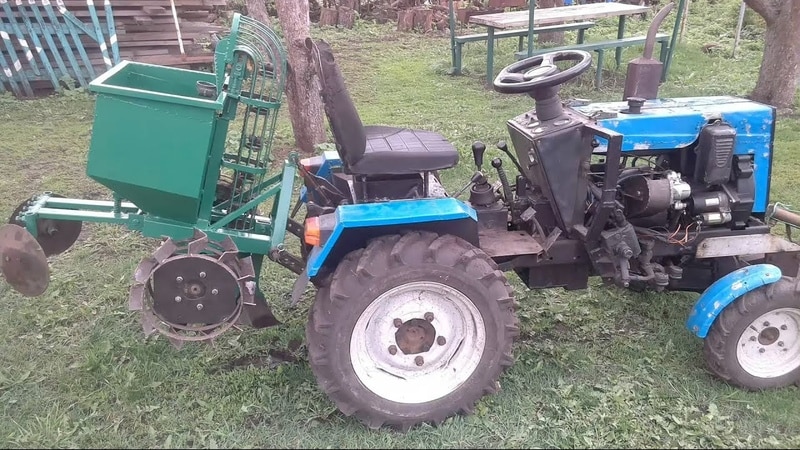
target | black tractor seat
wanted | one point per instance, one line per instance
(401, 150)
(375, 150)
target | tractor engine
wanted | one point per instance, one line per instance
(682, 170)
(705, 182)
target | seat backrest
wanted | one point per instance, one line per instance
(348, 130)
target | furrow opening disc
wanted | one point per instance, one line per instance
(22, 261)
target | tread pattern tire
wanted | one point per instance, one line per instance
(390, 261)
(719, 347)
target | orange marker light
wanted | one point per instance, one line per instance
(312, 231)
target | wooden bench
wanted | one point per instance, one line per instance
(601, 46)
(459, 41)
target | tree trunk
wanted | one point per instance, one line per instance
(302, 85)
(780, 66)
(423, 19)
(556, 37)
(328, 17)
(405, 20)
(347, 17)
(257, 9)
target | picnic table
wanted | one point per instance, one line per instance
(550, 16)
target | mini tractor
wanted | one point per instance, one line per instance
(414, 319)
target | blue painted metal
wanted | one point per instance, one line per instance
(724, 291)
(395, 212)
(330, 161)
(667, 124)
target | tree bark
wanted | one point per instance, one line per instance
(302, 85)
(257, 9)
(556, 37)
(347, 17)
(780, 65)
(405, 20)
(328, 17)
(423, 19)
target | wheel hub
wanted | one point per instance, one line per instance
(417, 342)
(194, 289)
(415, 336)
(770, 346)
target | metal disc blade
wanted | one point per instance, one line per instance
(55, 236)
(22, 261)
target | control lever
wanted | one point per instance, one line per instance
(497, 163)
(476, 177)
(504, 148)
(478, 148)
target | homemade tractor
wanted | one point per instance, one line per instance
(414, 319)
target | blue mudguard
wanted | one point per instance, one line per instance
(724, 291)
(387, 214)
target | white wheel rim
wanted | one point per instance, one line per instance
(770, 346)
(446, 365)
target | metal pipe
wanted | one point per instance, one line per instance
(778, 212)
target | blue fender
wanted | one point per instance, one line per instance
(724, 291)
(387, 214)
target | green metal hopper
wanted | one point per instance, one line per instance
(152, 135)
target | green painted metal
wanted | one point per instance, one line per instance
(168, 176)
(162, 170)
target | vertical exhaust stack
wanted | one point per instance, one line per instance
(644, 73)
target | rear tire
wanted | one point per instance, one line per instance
(755, 343)
(413, 328)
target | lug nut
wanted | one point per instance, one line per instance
(761, 350)
(178, 299)
(429, 316)
(419, 361)
(214, 291)
(780, 343)
(202, 274)
(783, 327)
(179, 279)
(392, 349)
(752, 338)
(398, 323)
(199, 306)
(766, 324)
(441, 340)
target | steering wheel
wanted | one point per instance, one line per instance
(538, 72)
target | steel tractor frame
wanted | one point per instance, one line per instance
(414, 319)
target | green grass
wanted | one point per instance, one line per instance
(600, 368)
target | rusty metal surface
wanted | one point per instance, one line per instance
(644, 73)
(55, 236)
(497, 243)
(755, 244)
(22, 261)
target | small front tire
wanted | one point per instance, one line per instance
(413, 328)
(755, 343)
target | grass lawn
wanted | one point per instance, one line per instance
(595, 368)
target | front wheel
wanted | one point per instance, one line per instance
(755, 342)
(413, 328)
